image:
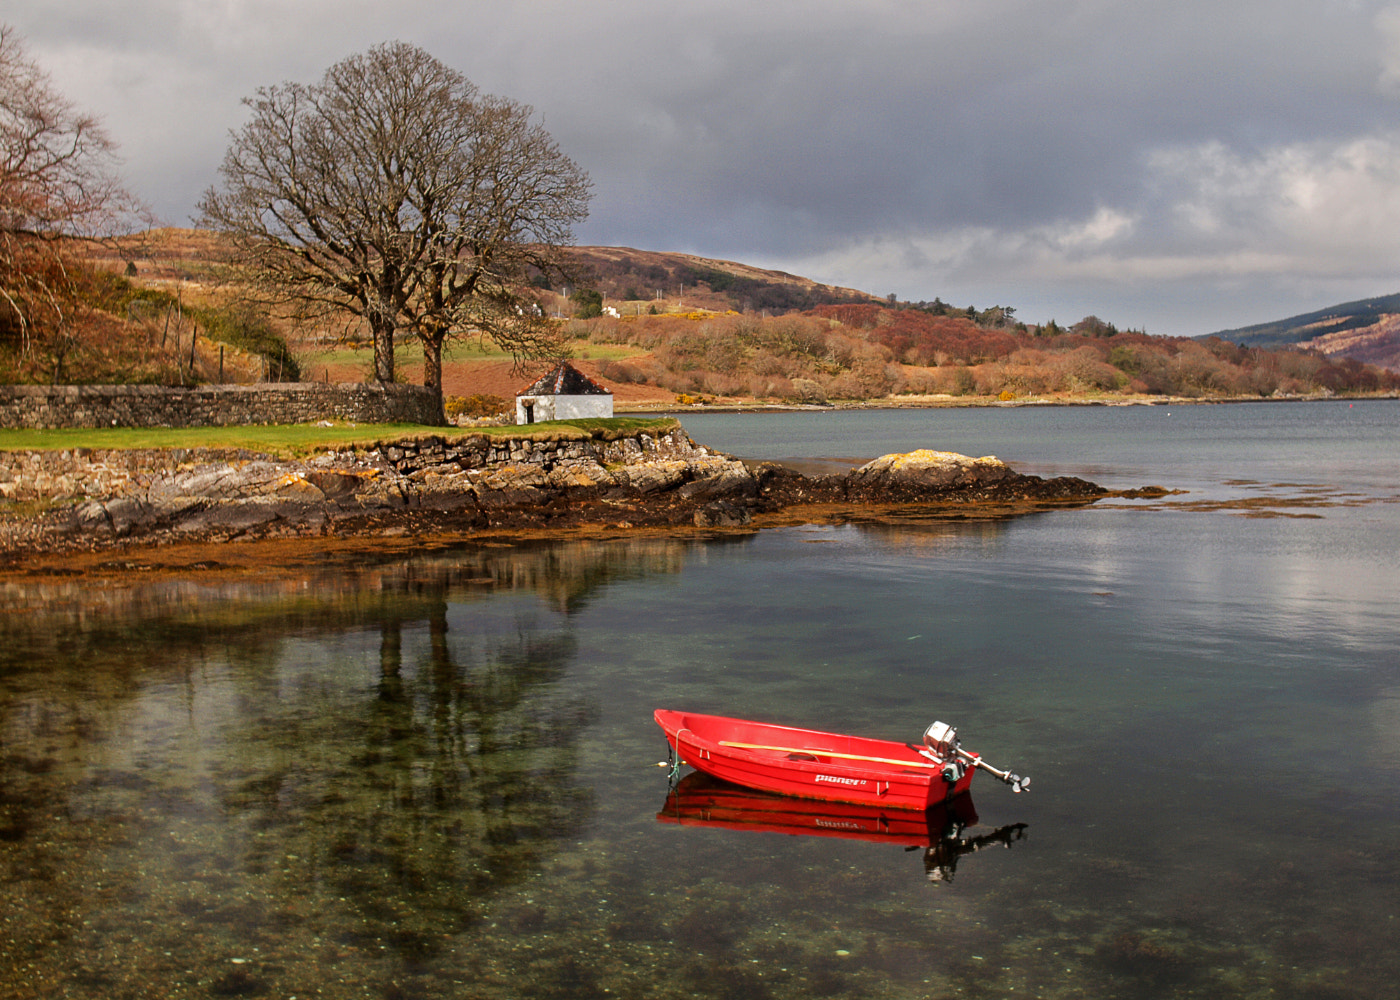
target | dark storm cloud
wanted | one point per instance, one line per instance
(1182, 165)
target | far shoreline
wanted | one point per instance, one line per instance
(956, 402)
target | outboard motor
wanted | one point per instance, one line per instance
(942, 747)
(941, 740)
(941, 744)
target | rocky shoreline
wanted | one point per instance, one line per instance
(112, 500)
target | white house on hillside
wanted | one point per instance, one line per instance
(562, 393)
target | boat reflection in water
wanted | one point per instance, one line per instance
(700, 800)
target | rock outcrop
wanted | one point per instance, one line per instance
(925, 470)
(467, 483)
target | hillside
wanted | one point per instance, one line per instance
(635, 281)
(1367, 330)
(877, 352)
(661, 328)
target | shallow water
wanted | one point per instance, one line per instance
(437, 777)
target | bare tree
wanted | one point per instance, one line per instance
(394, 191)
(57, 185)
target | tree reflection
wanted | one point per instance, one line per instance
(419, 803)
(324, 767)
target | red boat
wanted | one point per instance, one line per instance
(699, 800)
(828, 766)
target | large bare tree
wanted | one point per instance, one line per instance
(58, 185)
(396, 192)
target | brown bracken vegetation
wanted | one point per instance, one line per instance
(173, 322)
(870, 351)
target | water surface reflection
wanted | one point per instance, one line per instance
(269, 787)
(435, 777)
(940, 832)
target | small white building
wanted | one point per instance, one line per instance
(562, 393)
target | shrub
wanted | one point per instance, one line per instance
(624, 371)
(770, 388)
(919, 382)
(719, 384)
(477, 405)
(808, 391)
(588, 303)
(763, 363)
(1084, 370)
(722, 354)
(1092, 326)
(845, 386)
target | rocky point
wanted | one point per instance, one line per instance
(466, 484)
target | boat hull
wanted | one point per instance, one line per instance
(808, 763)
(701, 800)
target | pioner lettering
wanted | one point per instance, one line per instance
(841, 781)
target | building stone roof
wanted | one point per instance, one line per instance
(564, 380)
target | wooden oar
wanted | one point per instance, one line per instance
(1017, 783)
(827, 753)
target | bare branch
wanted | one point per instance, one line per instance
(57, 185)
(394, 191)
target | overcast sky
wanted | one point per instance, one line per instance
(1183, 166)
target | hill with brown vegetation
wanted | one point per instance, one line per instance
(640, 281)
(1367, 330)
(659, 328)
(1376, 344)
(159, 309)
(873, 352)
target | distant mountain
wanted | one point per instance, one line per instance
(1367, 330)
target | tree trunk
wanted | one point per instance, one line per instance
(390, 660)
(383, 352)
(432, 362)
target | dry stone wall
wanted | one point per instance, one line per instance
(101, 474)
(48, 407)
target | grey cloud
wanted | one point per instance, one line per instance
(802, 134)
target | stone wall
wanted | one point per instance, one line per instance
(479, 451)
(47, 407)
(83, 473)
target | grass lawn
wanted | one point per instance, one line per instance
(295, 440)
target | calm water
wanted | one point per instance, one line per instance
(436, 777)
